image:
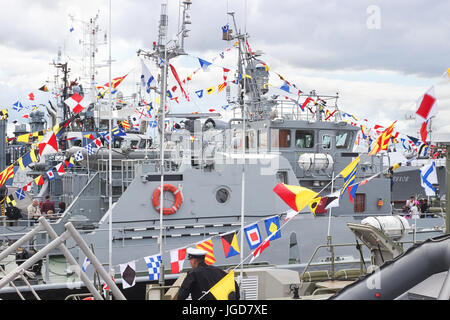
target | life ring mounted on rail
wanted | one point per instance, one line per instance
(177, 195)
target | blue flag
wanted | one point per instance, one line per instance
(17, 106)
(352, 192)
(117, 132)
(20, 194)
(273, 226)
(154, 266)
(285, 87)
(204, 64)
(253, 236)
(199, 93)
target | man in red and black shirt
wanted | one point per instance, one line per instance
(47, 205)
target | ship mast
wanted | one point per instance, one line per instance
(243, 55)
(163, 52)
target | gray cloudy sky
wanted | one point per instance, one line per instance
(325, 45)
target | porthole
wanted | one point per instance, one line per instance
(222, 195)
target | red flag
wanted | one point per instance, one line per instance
(31, 96)
(177, 258)
(426, 104)
(423, 132)
(175, 74)
(261, 248)
(49, 146)
(60, 169)
(116, 81)
(76, 103)
(308, 100)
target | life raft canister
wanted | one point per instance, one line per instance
(176, 193)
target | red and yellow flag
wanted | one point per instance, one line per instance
(295, 197)
(208, 247)
(383, 139)
(6, 174)
(125, 124)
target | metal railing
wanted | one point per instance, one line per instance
(58, 242)
(332, 263)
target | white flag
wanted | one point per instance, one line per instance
(428, 177)
(128, 272)
(146, 77)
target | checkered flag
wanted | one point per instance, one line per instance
(154, 266)
(79, 156)
(90, 149)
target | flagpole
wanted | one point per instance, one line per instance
(110, 151)
(243, 159)
(88, 165)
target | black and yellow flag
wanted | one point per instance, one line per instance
(314, 204)
(223, 288)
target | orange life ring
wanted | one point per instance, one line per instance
(176, 193)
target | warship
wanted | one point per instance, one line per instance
(217, 177)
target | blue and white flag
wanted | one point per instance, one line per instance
(428, 177)
(204, 64)
(253, 236)
(17, 106)
(106, 136)
(285, 87)
(146, 77)
(90, 149)
(135, 123)
(154, 266)
(20, 194)
(199, 93)
(79, 156)
(86, 263)
(50, 174)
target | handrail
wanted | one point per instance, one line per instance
(331, 246)
(76, 198)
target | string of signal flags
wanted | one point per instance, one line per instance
(296, 197)
(48, 146)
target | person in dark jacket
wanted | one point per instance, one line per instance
(202, 278)
(47, 205)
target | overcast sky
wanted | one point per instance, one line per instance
(381, 56)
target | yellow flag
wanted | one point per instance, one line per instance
(350, 168)
(448, 72)
(24, 138)
(224, 287)
(33, 155)
(295, 196)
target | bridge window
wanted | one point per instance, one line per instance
(281, 138)
(326, 141)
(343, 140)
(134, 144)
(304, 139)
(117, 142)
